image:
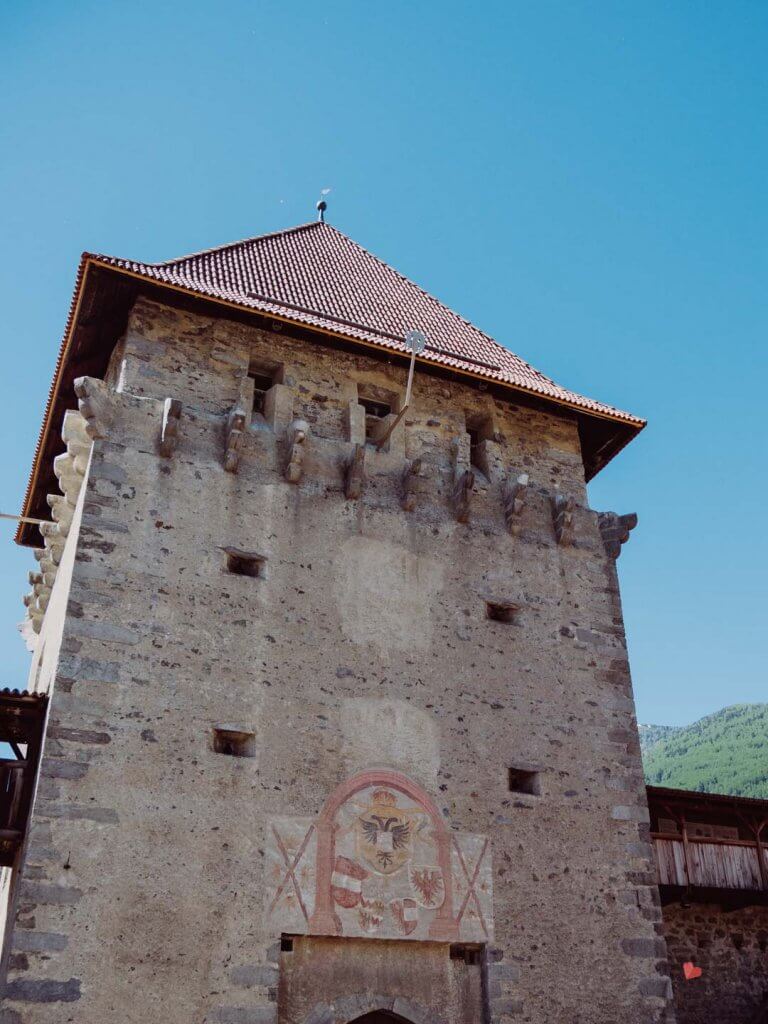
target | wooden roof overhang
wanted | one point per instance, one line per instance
(706, 803)
(104, 295)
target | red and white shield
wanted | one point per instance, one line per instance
(347, 882)
(406, 914)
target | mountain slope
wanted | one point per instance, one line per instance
(650, 735)
(723, 753)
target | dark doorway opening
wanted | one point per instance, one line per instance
(380, 1017)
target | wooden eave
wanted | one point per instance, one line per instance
(709, 803)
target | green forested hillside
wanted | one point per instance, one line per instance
(723, 753)
(650, 735)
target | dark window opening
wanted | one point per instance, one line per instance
(523, 781)
(469, 954)
(262, 383)
(480, 429)
(375, 412)
(245, 563)
(474, 447)
(286, 943)
(501, 611)
(234, 742)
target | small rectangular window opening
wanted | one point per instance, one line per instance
(262, 383)
(501, 611)
(228, 739)
(521, 780)
(286, 943)
(469, 954)
(245, 563)
(375, 412)
(480, 428)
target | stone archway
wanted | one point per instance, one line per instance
(380, 1017)
(373, 1009)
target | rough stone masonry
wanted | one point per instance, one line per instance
(334, 728)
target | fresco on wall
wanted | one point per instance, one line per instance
(379, 861)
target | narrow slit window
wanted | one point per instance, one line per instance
(501, 611)
(522, 780)
(245, 563)
(474, 447)
(233, 741)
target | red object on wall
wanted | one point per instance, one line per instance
(691, 971)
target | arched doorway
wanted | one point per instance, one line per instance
(380, 1017)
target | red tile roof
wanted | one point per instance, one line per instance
(315, 275)
(312, 275)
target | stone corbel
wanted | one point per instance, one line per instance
(75, 437)
(233, 438)
(95, 405)
(61, 512)
(354, 473)
(411, 473)
(562, 518)
(513, 497)
(462, 495)
(70, 479)
(69, 467)
(48, 559)
(355, 417)
(463, 480)
(615, 530)
(169, 429)
(54, 539)
(298, 432)
(278, 407)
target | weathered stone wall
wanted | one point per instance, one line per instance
(731, 948)
(365, 643)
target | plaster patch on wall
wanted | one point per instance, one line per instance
(385, 593)
(393, 732)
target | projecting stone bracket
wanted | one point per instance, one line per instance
(233, 438)
(70, 468)
(95, 405)
(562, 517)
(461, 495)
(463, 479)
(169, 429)
(513, 496)
(61, 512)
(354, 473)
(615, 530)
(298, 432)
(409, 483)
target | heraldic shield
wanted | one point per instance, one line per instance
(379, 861)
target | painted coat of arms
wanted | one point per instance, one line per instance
(379, 861)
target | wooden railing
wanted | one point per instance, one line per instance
(711, 863)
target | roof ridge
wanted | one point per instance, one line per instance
(234, 245)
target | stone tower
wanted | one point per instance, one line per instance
(340, 724)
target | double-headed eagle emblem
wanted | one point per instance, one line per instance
(384, 834)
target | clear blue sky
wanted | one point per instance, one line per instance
(586, 181)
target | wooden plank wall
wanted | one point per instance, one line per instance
(720, 865)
